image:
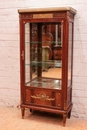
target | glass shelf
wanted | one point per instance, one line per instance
(48, 42)
(51, 63)
(45, 83)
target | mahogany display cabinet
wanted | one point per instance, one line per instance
(46, 59)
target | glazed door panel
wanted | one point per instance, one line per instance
(42, 68)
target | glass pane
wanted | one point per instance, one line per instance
(70, 53)
(27, 52)
(43, 55)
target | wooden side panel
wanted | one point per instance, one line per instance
(69, 95)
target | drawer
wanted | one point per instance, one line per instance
(43, 97)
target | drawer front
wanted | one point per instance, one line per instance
(43, 97)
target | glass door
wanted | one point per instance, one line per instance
(43, 55)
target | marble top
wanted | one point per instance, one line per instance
(49, 9)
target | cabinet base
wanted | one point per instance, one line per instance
(65, 114)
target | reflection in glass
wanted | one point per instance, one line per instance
(43, 55)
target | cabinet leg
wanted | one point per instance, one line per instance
(69, 114)
(23, 112)
(64, 119)
(31, 110)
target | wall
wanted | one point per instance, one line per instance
(9, 51)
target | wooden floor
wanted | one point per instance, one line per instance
(10, 119)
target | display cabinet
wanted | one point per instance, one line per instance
(46, 59)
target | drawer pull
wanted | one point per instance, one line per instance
(43, 97)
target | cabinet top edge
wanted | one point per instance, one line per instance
(49, 9)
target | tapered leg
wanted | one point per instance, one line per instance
(31, 110)
(64, 119)
(69, 114)
(23, 112)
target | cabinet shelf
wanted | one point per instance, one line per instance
(51, 63)
(49, 83)
(48, 42)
